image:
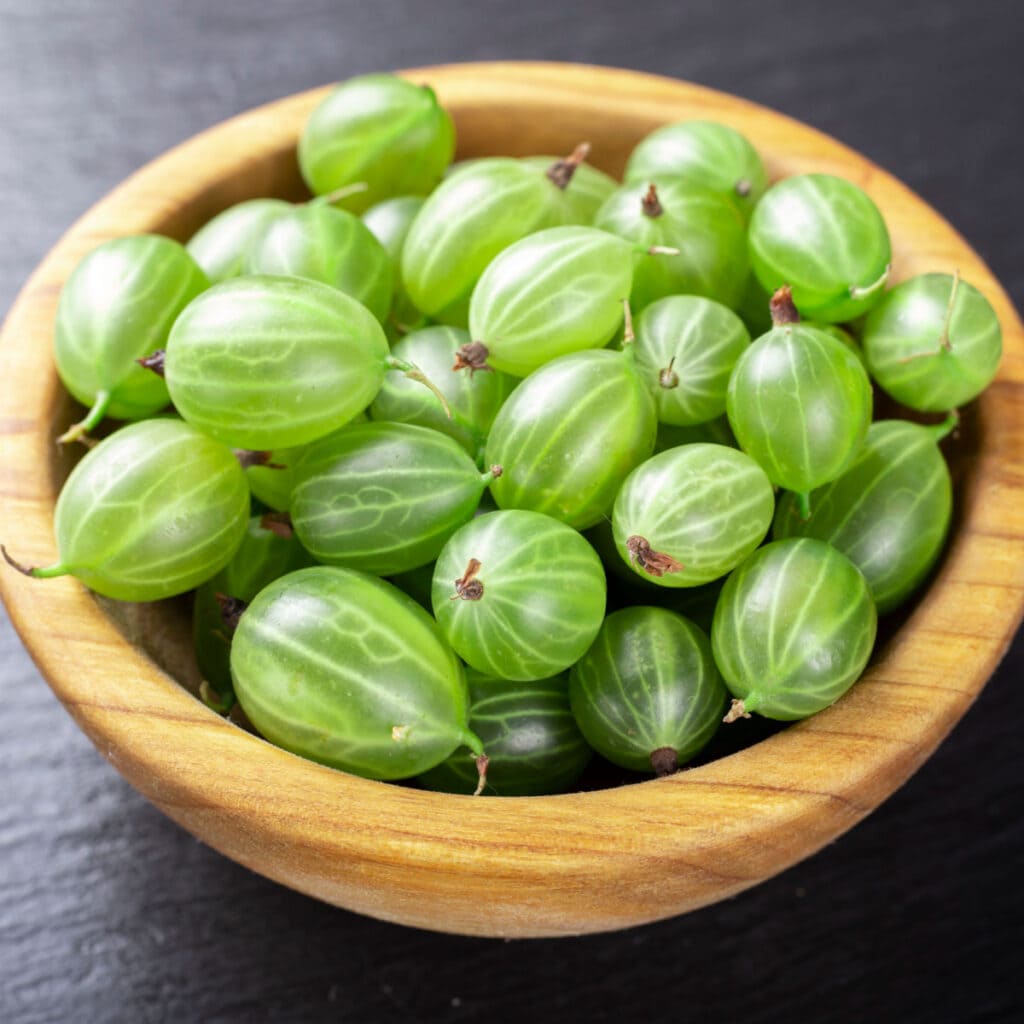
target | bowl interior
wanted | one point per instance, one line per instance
(520, 866)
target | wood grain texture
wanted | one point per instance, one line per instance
(541, 866)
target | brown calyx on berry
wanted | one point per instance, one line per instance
(231, 610)
(782, 309)
(248, 457)
(737, 710)
(482, 764)
(468, 587)
(651, 204)
(278, 523)
(664, 761)
(154, 361)
(667, 377)
(472, 356)
(561, 171)
(654, 563)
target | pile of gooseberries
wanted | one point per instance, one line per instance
(476, 469)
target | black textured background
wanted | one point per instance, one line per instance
(108, 912)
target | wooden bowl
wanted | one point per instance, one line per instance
(530, 866)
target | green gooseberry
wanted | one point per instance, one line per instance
(378, 129)
(888, 513)
(705, 153)
(274, 362)
(344, 669)
(686, 348)
(533, 744)
(554, 292)
(691, 514)
(383, 497)
(933, 342)
(793, 629)
(647, 695)
(117, 306)
(707, 230)
(799, 403)
(824, 238)
(570, 433)
(322, 243)
(153, 510)
(518, 594)
(473, 397)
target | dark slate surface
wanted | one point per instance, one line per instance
(108, 912)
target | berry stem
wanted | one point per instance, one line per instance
(482, 764)
(946, 427)
(78, 430)
(944, 341)
(628, 334)
(650, 204)
(330, 198)
(413, 372)
(782, 307)
(877, 285)
(737, 709)
(154, 362)
(45, 572)
(214, 701)
(803, 503)
(561, 171)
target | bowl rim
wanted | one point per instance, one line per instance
(577, 862)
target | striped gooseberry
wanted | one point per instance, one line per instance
(933, 342)
(686, 348)
(378, 129)
(273, 362)
(691, 514)
(647, 695)
(518, 594)
(153, 510)
(799, 403)
(118, 305)
(793, 629)
(383, 497)
(554, 292)
(342, 668)
(570, 433)
(824, 237)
